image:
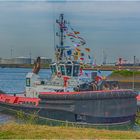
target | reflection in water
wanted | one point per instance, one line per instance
(4, 118)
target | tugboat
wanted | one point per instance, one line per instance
(70, 96)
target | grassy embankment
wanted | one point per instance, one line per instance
(125, 76)
(30, 131)
(125, 73)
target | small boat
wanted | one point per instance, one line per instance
(70, 96)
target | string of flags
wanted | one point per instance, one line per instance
(76, 49)
(100, 76)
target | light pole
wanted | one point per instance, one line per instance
(133, 82)
(11, 53)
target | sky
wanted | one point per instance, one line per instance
(112, 27)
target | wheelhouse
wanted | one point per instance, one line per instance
(68, 68)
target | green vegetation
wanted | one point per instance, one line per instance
(28, 119)
(30, 131)
(138, 118)
(33, 118)
(125, 73)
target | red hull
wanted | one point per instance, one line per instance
(25, 100)
(18, 100)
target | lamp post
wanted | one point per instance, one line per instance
(11, 53)
(133, 82)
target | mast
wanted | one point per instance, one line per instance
(60, 48)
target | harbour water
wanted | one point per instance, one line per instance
(12, 80)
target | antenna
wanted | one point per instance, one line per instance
(11, 53)
(60, 48)
(104, 57)
(30, 55)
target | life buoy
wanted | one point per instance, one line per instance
(59, 74)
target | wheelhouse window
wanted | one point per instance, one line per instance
(53, 69)
(76, 70)
(68, 70)
(62, 68)
(27, 82)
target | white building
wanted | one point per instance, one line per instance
(22, 60)
(45, 60)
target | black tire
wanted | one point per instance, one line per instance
(115, 86)
(94, 87)
(105, 86)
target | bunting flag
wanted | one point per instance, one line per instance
(82, 58)
(89, 57)
(99, 71)
(82, 42)
(103, 77)
(98, 78)
(76, 32)
(75, 57)
(69, 52)
(78, 45)
(65, 29)
(77, 49)
(62, 26)
(87, 74)
(81, 72)
(70, 34)
(87, 49)
(76, 53)
(79, 54)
